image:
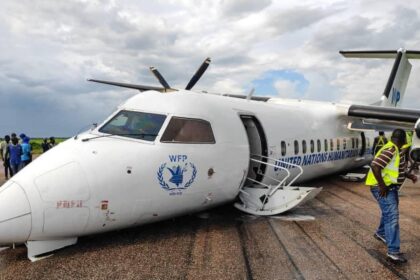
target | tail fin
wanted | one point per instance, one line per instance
(397, 81)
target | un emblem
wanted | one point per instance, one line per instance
(177, 174)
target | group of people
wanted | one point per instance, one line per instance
(16, 152)
(389, 169)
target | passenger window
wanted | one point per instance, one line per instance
(318, 144)
(331, 145)
(344, 143)
(357, 143)
(312, 143)
(139, 125)
(283, 148)
(326, 145)
(193, 131)
(352, 143)
(338, 144)
(296, 147)
(304, 146)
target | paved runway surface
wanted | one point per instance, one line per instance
(328, 238)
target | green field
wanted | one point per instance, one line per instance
(36, 144)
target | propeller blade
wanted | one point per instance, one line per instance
(199, 73)
(158, 76)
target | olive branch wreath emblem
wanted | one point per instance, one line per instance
(165, 185)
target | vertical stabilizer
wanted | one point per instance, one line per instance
(397, 81)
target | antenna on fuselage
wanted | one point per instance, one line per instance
(251, 92)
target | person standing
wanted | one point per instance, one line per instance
(45, 146)
(14, 151)
(52, 142)
(5, 156)
(379, 142)
(26, 153)
(387, 173)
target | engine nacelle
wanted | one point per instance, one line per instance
(415, 150)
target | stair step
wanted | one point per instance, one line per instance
(282, 200)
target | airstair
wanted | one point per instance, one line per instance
(261, 199)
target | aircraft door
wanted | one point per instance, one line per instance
(257, 147)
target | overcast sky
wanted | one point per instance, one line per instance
(49, 48)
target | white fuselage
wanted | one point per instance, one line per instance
(83, 187)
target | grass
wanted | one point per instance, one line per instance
(36, 144)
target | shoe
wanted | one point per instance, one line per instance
(396, 257)
(380, 238)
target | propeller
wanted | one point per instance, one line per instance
(199, 73)
(160, 78)
(162, 81)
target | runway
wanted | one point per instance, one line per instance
(328, 238)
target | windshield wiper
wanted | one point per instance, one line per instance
(128, 134)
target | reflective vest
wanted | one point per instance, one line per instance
(391, 172)
(409, 139)
(381, 141)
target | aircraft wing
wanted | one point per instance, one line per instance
(381, 118)
(132, 86)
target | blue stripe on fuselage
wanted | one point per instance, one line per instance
(317, 158)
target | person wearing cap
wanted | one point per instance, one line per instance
(387, 173)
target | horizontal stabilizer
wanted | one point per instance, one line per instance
(132, 86)
(379, 54)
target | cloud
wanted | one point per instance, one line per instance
(243, 7)
(49, 49)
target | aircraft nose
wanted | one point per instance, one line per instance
(15, 215)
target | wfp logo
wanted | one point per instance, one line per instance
(395, 97)
(177, 174)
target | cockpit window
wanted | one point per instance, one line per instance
(183, 130)
(137, 125)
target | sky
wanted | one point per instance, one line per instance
(48, 49)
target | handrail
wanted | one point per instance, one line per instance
(286, 163)
(270, 164)
(273, 190)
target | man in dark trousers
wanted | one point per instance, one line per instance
(387, 173)
(379, 142)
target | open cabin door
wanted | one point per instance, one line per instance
(267, 197)
(257, 147)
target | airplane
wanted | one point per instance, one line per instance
(167, 152)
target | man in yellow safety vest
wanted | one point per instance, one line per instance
(387, 173)
(379, 142)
